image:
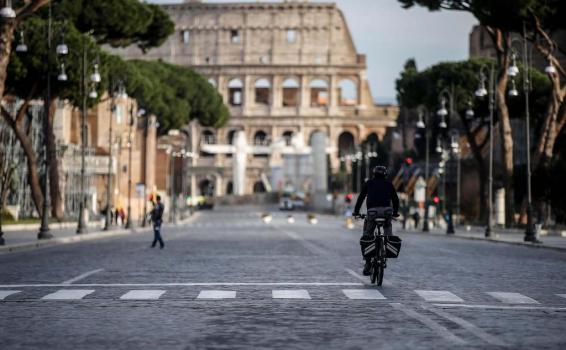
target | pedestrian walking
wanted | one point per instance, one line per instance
(416, 218)
(156, 218)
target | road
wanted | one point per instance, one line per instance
(230, 281)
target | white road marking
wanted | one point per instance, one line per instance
(363, 294)
(84, 275)
(143, 295)
(308, 245)
(6, 293)
(478, 332)
(439, 296)
(189, 284)
(68, 294)
(562, 295)
(500, 307)
(430, 323)
(512, 298)
(365, 280)
(291, 294)
(217, 294)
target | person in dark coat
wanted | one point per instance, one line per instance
(157, 218)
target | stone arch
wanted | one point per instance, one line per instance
(319, 93)
(347, 92)
(291, 92)
(213, 82)
(262, 92)
(235, 92)
(261, 138)
(288, 137)
(230, 188)
(346, 144)
(259, 187)
(208, 137)
(206, 187)
(312, 133)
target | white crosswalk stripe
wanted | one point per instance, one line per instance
(439, 296)
(217, 294)
(7, 293)
(363, 294)
(512, 298)
(291, 294)
(143, 295)
(68, 294)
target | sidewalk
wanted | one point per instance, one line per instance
(20, 240)
(508, 236)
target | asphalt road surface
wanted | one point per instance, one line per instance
(230, 281)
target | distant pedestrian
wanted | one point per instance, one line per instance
(416, 219)
(156, 218)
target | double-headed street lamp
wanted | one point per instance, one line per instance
(94, 79)
(485, 74)
(61, 50)
(520, 46)
(422, 124)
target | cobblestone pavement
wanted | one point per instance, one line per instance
(230, 281)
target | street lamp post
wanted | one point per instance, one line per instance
(107, 216)
(482, 92)
(95, 79)
(130, 146)
(513, 71)
(422, 124)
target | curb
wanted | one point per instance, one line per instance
(52, 225)
(84, 237)
(524, 244)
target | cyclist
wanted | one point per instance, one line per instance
(381, 199)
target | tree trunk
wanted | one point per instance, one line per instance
(506, 143)
(33, 178)
(6, 36)
(54, 183)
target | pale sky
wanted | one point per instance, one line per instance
(389, 35)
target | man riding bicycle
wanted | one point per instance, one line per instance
(381, 201)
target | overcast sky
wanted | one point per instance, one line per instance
(389, 35)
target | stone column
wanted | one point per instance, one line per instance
(239, 161)
(320, 171)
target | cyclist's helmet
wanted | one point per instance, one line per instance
(380, 171)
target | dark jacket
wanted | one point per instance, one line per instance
(379, 193)
(157, 212)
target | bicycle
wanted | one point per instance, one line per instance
(386, 246)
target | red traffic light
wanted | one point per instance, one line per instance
(436, 200)
(409, 161)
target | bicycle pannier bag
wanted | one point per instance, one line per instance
(393, 246)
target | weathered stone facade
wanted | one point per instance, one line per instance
(283, 68)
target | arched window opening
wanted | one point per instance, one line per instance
(319, 93)
(259, 187)
(262, 92)
(261, 139)
(212, 82)
(345, 144)
(290, 93)
(347, 93)
(288, 137)
(208, 137)
(230, 188)
(206, 188)
(235, 92)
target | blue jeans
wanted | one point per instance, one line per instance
(157, 234)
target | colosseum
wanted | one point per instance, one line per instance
(285, 70)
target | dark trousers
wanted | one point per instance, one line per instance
(157, 234)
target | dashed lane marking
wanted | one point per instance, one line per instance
(291, 294)
(478, 332)
(363, 294)
(512, 298)
(500, 307)
(191, 284)
(68, 294)
(143, 295)
(82, 276)
(562, 295)
(430, 323)
(7, 293)
(217, 294)
(439, 296)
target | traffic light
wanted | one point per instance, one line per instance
(436, 200)
(408, 161)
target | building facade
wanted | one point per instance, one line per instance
(285, 70)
